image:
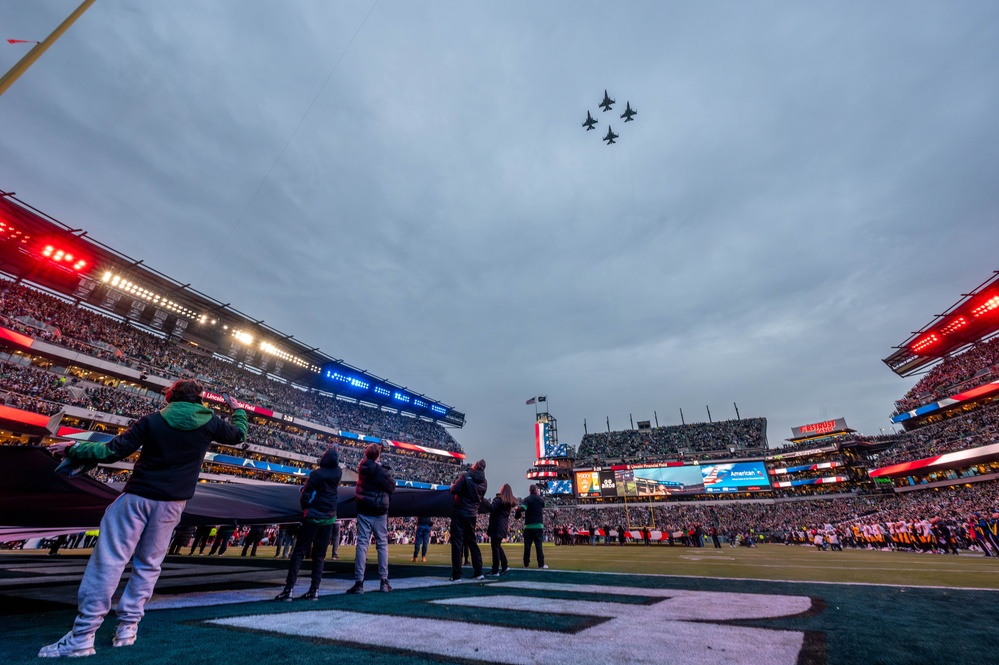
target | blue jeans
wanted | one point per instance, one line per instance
(422, 538)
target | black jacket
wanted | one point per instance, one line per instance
(374, 484)
(468, 490)
(171, 457)
(533, 509)
(319, 493)
(499, 519)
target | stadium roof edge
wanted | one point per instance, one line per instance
(191, 301)
(955, 330)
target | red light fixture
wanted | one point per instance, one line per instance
(63, 258)
(954, 325)
(986, 307)
(927, 341)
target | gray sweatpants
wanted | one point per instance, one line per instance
(131, 526)
(369, 526)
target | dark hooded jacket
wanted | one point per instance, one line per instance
(173, 441)
(320, 490)
(374, 485)
(468, 491)
(499, 519)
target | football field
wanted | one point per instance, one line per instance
(631, 604)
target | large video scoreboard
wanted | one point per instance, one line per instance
(672, 478)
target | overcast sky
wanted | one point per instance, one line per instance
(407, 185)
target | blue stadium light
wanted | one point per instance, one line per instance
(438, 409)
(349, 380)
(419, 403)
(401, 398)
(385, 392)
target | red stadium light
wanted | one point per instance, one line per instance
(956, 324)
(929, 340)
(63, 258)
(986, 307)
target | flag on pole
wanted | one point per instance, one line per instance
(21, 41)
(531, 401)
(543, 398)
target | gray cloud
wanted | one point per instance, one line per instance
(802, 187)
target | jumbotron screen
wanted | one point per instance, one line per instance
(640, 480)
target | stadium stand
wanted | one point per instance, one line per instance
(970, 369)
(970, 430)
(36, 384)
(724, 437)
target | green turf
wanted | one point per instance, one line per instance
(766, 562)
(852, 623)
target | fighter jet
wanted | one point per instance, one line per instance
(610, 136)
(589, 121)
(607, 103)
(629, 113)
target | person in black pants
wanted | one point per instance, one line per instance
(319, 497)
(180, 539)
(533, 510)
(335, 542)
(222, 538)
(499, 527)
(252, 539)
(201, 536)
(468, 490)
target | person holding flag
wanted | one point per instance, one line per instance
(137, 526)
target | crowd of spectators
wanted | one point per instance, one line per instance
(974, 367)
(54, 320)
(723, 438)
(971, 430)
(33, 388)
(778, 521)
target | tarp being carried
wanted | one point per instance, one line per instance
(34, 499)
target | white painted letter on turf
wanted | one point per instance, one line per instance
(671, 630)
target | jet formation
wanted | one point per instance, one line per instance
(607, 104)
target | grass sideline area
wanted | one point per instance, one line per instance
(765, 562)
(850, 607)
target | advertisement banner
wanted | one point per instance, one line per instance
(608, 484)
(816, 429)
(735, 477)
(588, 484)
(659, 481)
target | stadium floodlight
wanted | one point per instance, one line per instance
(986, 307)
(244, 337)
(925, 342)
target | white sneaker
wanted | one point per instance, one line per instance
(479, 578)
(72, 646)
(124, 635)
(544, 567)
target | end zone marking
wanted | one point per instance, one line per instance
(675, 622)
